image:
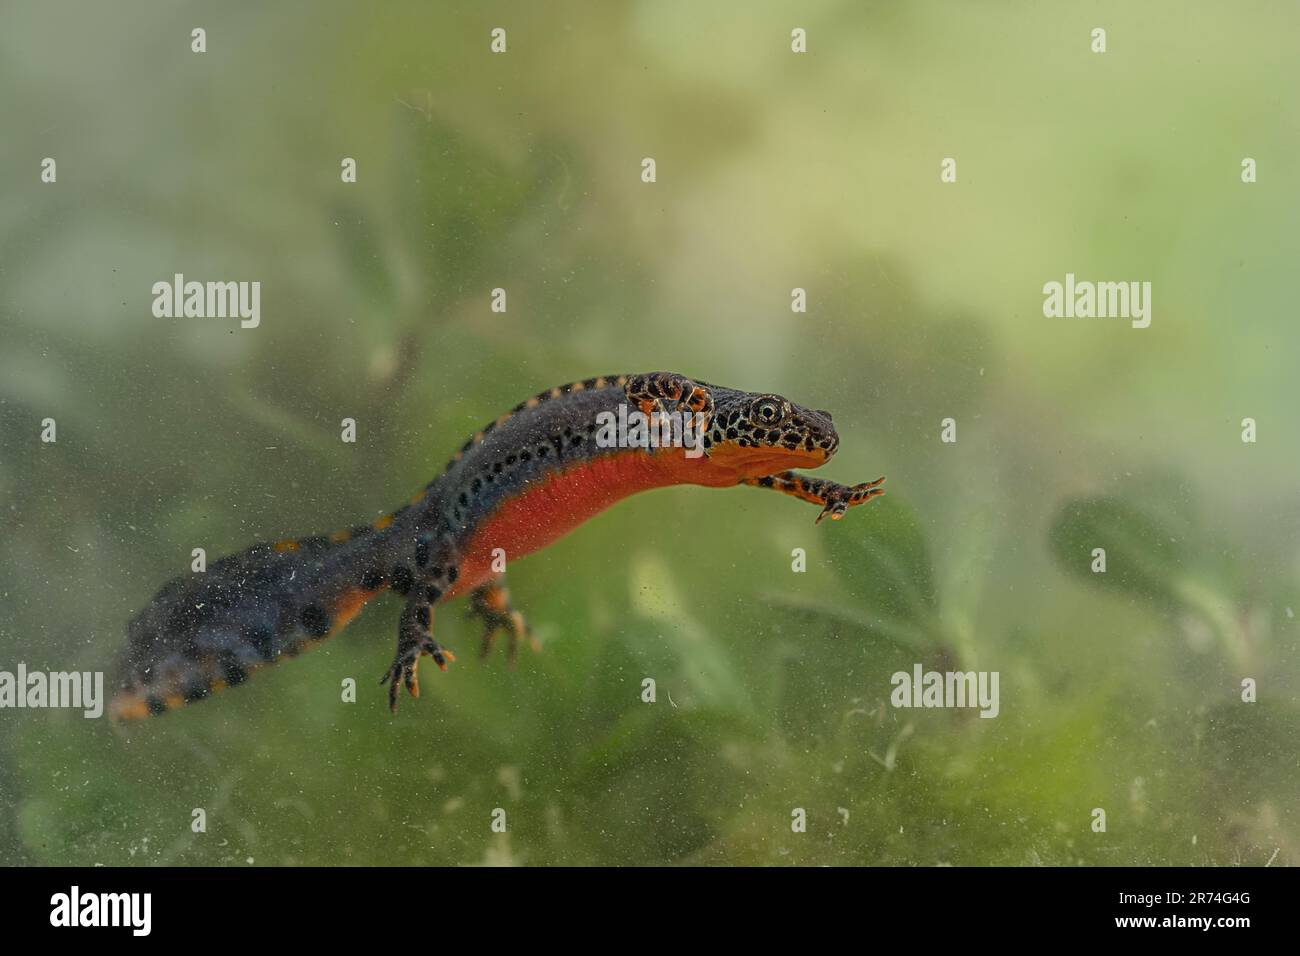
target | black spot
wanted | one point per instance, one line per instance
(464, 498)
(436, 571)
(155, 704)
(402, 579)
(195, 688)
(372, 580)
(732, 433)
(525, 456)
(422, 551)
(478, 484)
(232, 671)
(453, 574)
(433, 595)
(766, 482)
(262, 638)
(542, 451)
(510, 459)
(422, 616)
(314, 620)
(496, 469)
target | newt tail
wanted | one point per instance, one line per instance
(523, 481)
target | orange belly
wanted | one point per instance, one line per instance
(551, 508)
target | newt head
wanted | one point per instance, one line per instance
(753, 435)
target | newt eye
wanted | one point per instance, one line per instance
(767, 412)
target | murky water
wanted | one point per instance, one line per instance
(1101, 509)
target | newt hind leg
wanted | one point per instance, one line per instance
(433, 569)
(490, 603)
(835, 498)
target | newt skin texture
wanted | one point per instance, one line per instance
(520, 483)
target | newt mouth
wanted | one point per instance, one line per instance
(751, 463)
(786, 460)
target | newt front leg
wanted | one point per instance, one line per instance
(835, 498)
(414, 639)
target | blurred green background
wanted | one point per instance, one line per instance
(775, 170)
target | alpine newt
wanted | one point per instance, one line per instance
(523, 481)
